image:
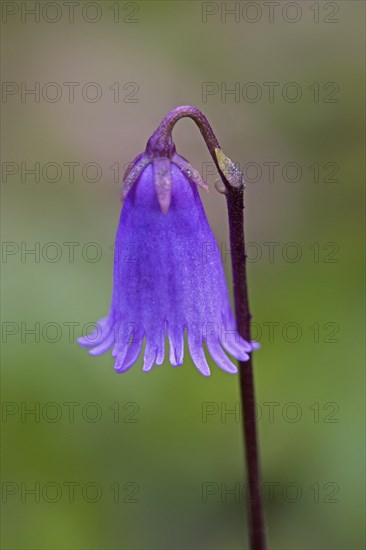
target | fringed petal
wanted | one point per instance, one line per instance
(97, 336)
(150, 355)
(103, 346)
(131, 357)
(197, 354)
(176, 343)
(219, 356)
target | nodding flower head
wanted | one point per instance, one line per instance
(168, 275)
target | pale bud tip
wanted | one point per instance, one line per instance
(231, 172)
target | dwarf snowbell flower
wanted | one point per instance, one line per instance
(168, 274)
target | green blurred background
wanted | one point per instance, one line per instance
(155, 460)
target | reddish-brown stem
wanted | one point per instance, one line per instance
(235, 203)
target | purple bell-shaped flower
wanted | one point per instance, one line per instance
(168, 274)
